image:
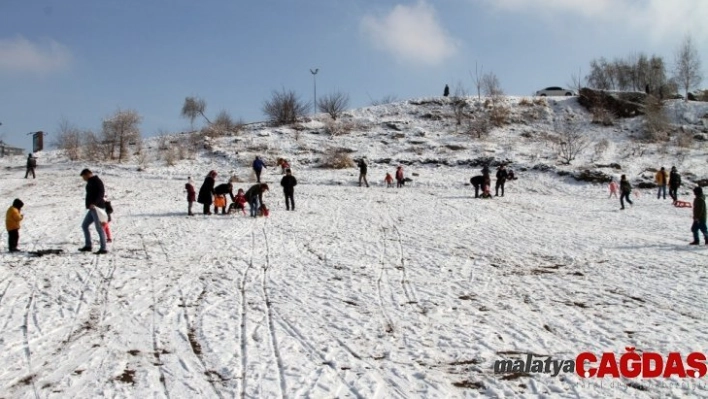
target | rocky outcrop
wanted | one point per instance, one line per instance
(620, 104)
(592, 176)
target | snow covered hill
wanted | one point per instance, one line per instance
(359, 293)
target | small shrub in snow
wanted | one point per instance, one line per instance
(525, 102)
(540, 101)
(284, 108)
(337, 158)
(684, 139)
(656, 122)
(570, 141)
(599, 149)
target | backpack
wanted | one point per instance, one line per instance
(32, 162)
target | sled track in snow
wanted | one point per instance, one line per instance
(408, 288)
(304, 342)
(80, 300)
(269, 314)
(26, 343)
(244, 313)
(153, 333)
(193, 343)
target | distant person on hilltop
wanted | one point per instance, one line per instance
(258, 166)
(625, 190)
(362, 171)
(206, 191)
(661, 179)
(699, 216)
(446, 92)
(674, 183)
(31, 165)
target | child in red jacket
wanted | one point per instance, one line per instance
(389, 180)
(239, 202)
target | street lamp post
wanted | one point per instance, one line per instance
(314, 79)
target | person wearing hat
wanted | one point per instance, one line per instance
(13, 217)
(206, 191)
(289, 182)
(191, 195)
(95, 193)
(699, 216)
(674, 183)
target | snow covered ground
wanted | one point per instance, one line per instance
(360, 293)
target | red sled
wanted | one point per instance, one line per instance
(682, 204)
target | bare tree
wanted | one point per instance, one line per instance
(687, 70)
(334, 104)
(491, 86)
(120, 130)
(577, 82)
(387, 99)
(68, 139)
(193, 107)
(477, 79)
(284, 108)
(570, 141)
(93, 149)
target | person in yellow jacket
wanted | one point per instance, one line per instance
(661, 180)
(13, 217)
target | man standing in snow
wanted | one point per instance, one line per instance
(674, 183)
(446, 91)
(661, 180)
(31, 165)
(95, 193)
(501, 179)
(625, 190)
(362, 171)
(258, 166)
(289, 182)
(699, 216)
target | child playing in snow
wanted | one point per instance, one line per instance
(106, 225)
(13, 217)
(389, 180)
(191, 195)
(239, 202)
(613, 189)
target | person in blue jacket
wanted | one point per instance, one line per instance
(258, 166)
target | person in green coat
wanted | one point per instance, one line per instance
(625, 190)
(699, 216)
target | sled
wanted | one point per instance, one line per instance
(682, 204)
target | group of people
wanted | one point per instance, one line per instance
(218, 195)
(388, 179)
(98, 214)
(484, 181)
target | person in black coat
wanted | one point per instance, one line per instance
(206, 191)
(362, 171)
(223, 189)
(446, 91)
(674, 183)
(477, 182)
(31, 165)
(254, 196)
(501, 179)
(289, 182)
(95, 192)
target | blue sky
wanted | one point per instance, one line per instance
(82, 60)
